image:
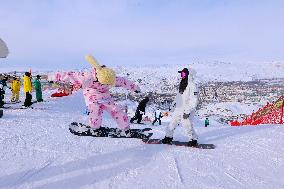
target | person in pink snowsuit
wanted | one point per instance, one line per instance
(97, 95)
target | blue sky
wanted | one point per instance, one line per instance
(52, 34)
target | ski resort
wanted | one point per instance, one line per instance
(140, 94)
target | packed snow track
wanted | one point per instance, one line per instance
(38, 151)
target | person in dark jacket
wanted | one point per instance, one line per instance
(158, 116)
(2, 92)
(37, 86)
(3, 86)
(1, 99)
(140, 111)
(4, 82)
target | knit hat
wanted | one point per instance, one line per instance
(106, 76)
(185, 70)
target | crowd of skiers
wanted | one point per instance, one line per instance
(14, 83)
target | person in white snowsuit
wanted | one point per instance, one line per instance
(184, 108)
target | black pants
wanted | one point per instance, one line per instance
(1, 103)
(137, 117)
(1, 98)
(28, 100)
(157, 119)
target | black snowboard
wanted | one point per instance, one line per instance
(81, 129)
(178, 143)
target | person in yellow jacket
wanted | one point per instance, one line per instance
(16, 87)
(28, 89)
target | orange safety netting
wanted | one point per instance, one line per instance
(271, 113)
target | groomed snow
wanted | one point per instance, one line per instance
(38, 151)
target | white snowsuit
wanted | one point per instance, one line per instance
(185, 104)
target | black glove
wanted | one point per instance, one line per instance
(185, 116)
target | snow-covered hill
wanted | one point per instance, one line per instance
(206, 72)
(38, 151)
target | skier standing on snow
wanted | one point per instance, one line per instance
(206, 122)
(38, 90)
(28, 89)
(185, 104)
(15, 87)
(140, 111)
(96, 85)
(158, 116)
(2, 92)
(3, 82)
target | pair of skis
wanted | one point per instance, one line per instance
(81, 129)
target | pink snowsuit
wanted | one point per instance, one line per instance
(97, 96)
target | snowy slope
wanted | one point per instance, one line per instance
(37, 151)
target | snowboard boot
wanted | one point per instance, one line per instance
(192, 143)
(167, 140)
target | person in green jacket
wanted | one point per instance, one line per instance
(206, 122)
(38, 90)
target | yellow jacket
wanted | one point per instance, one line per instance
(16, 85)
(27, 84)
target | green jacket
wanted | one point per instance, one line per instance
(37, 87)
(206, 121)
